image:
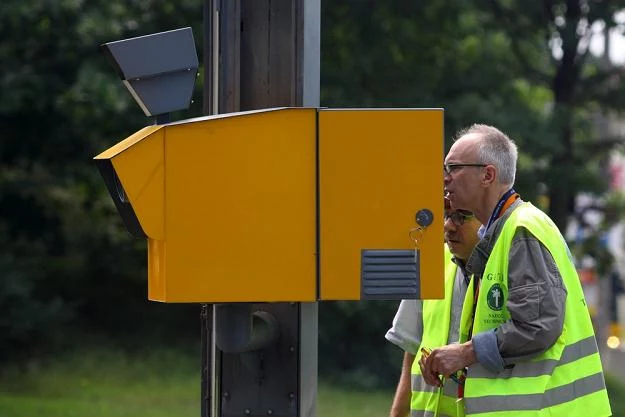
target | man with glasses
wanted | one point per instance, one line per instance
(526, 338)
(433, 323)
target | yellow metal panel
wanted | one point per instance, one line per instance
(240, 209)
(377, 168)
(156, 270)
(128, 142)
(141, 170)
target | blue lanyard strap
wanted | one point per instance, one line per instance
(499, 206)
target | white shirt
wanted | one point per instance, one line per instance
(407, 329)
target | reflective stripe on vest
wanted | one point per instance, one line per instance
(427, 400)
(568, 377)
(570, 354)
(418, 384)
(575, 392)
(420, 413)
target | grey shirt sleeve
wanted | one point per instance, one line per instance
(407, 329)
(536, 302)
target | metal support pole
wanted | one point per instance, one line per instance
(162, 119)
(209, 359)
(261, 54)
(206, 318)
(209, 61)
(239, 330)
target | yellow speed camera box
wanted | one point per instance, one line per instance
(291, 204)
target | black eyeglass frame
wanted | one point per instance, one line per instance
(449, 168)
(458, 218)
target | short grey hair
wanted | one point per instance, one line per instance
(495, 148)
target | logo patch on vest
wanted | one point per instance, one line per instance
(494, 298)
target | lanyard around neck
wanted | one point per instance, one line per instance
(504, 202)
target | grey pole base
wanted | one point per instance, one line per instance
(238, 330)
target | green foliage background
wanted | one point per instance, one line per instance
(70, 273)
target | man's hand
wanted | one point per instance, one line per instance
(445, 361)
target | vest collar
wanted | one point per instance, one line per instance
(476, 264)
(463, 268)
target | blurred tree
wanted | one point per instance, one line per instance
(352, 347)
(66, 257)
(550, 41)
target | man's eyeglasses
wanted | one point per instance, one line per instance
(458, 217)
(449, 168)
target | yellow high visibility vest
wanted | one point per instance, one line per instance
(427, 400)
(567, 379)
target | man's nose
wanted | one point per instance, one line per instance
(449, 225)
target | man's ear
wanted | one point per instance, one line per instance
(489, 175)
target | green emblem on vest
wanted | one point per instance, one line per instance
(494, 298)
